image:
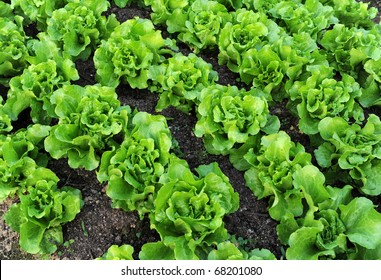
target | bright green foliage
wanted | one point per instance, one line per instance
(13, 49)
(343, 233)
(41, 212)
(123, 252)
(228, 251)
(38, 10)
(5, 120)
(228, 116)
(270, 174)
(34, 87)
(200, 26)
(157, 251)
(163, 10)
(133, 170)
(348, 48)
(180, 79)
(19, 153)
(79, 26)
(311, 16)
(353, 148)
(133, 47)
(352, 12)
(263, 68)
(321, 95)
(189, 209)
(89, 118)
(248, 30)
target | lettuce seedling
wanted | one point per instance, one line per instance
(189, 209)
(133, 170)
(179, 81)
(228, 117)
(42, 211)
(89, 118)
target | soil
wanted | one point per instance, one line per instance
(98, 225)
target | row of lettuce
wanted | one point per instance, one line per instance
(321, 56)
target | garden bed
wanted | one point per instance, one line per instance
(98, 225)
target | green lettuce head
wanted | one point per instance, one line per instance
(89, 119)
(180, 80)
(249, 30)
(262, 68)
(311, 17)
(201, 26)
(37, 10)
(339, 233)
(352, 148)
(42, 211)
(33, 88)
(133, 170)
(189, 210)
(79, 27)
(271, 173)
(13, 49)
(321, 95)
(228, 116)
(133, 47)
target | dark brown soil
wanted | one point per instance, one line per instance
(99, 226)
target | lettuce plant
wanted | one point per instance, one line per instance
(248, 30)
(353, 148)
(37, 10)
(34, 87)
(271, 167)
(322, 95)
(133, 170)
(40, 214)
(352, 12)
(201, 26)
(263, 68)
(5, 120)
(338, 233)
(224, 251)
(79, 26)
(89, 118)
(180, 79)
(163, 10)
(20, 154)
(189, 209)
(228, 251)
(228, 117)
(133, 47)
(348, 48)
(123, 252)
(310, 16)
(13, 49)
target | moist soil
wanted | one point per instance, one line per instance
(98, 225)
